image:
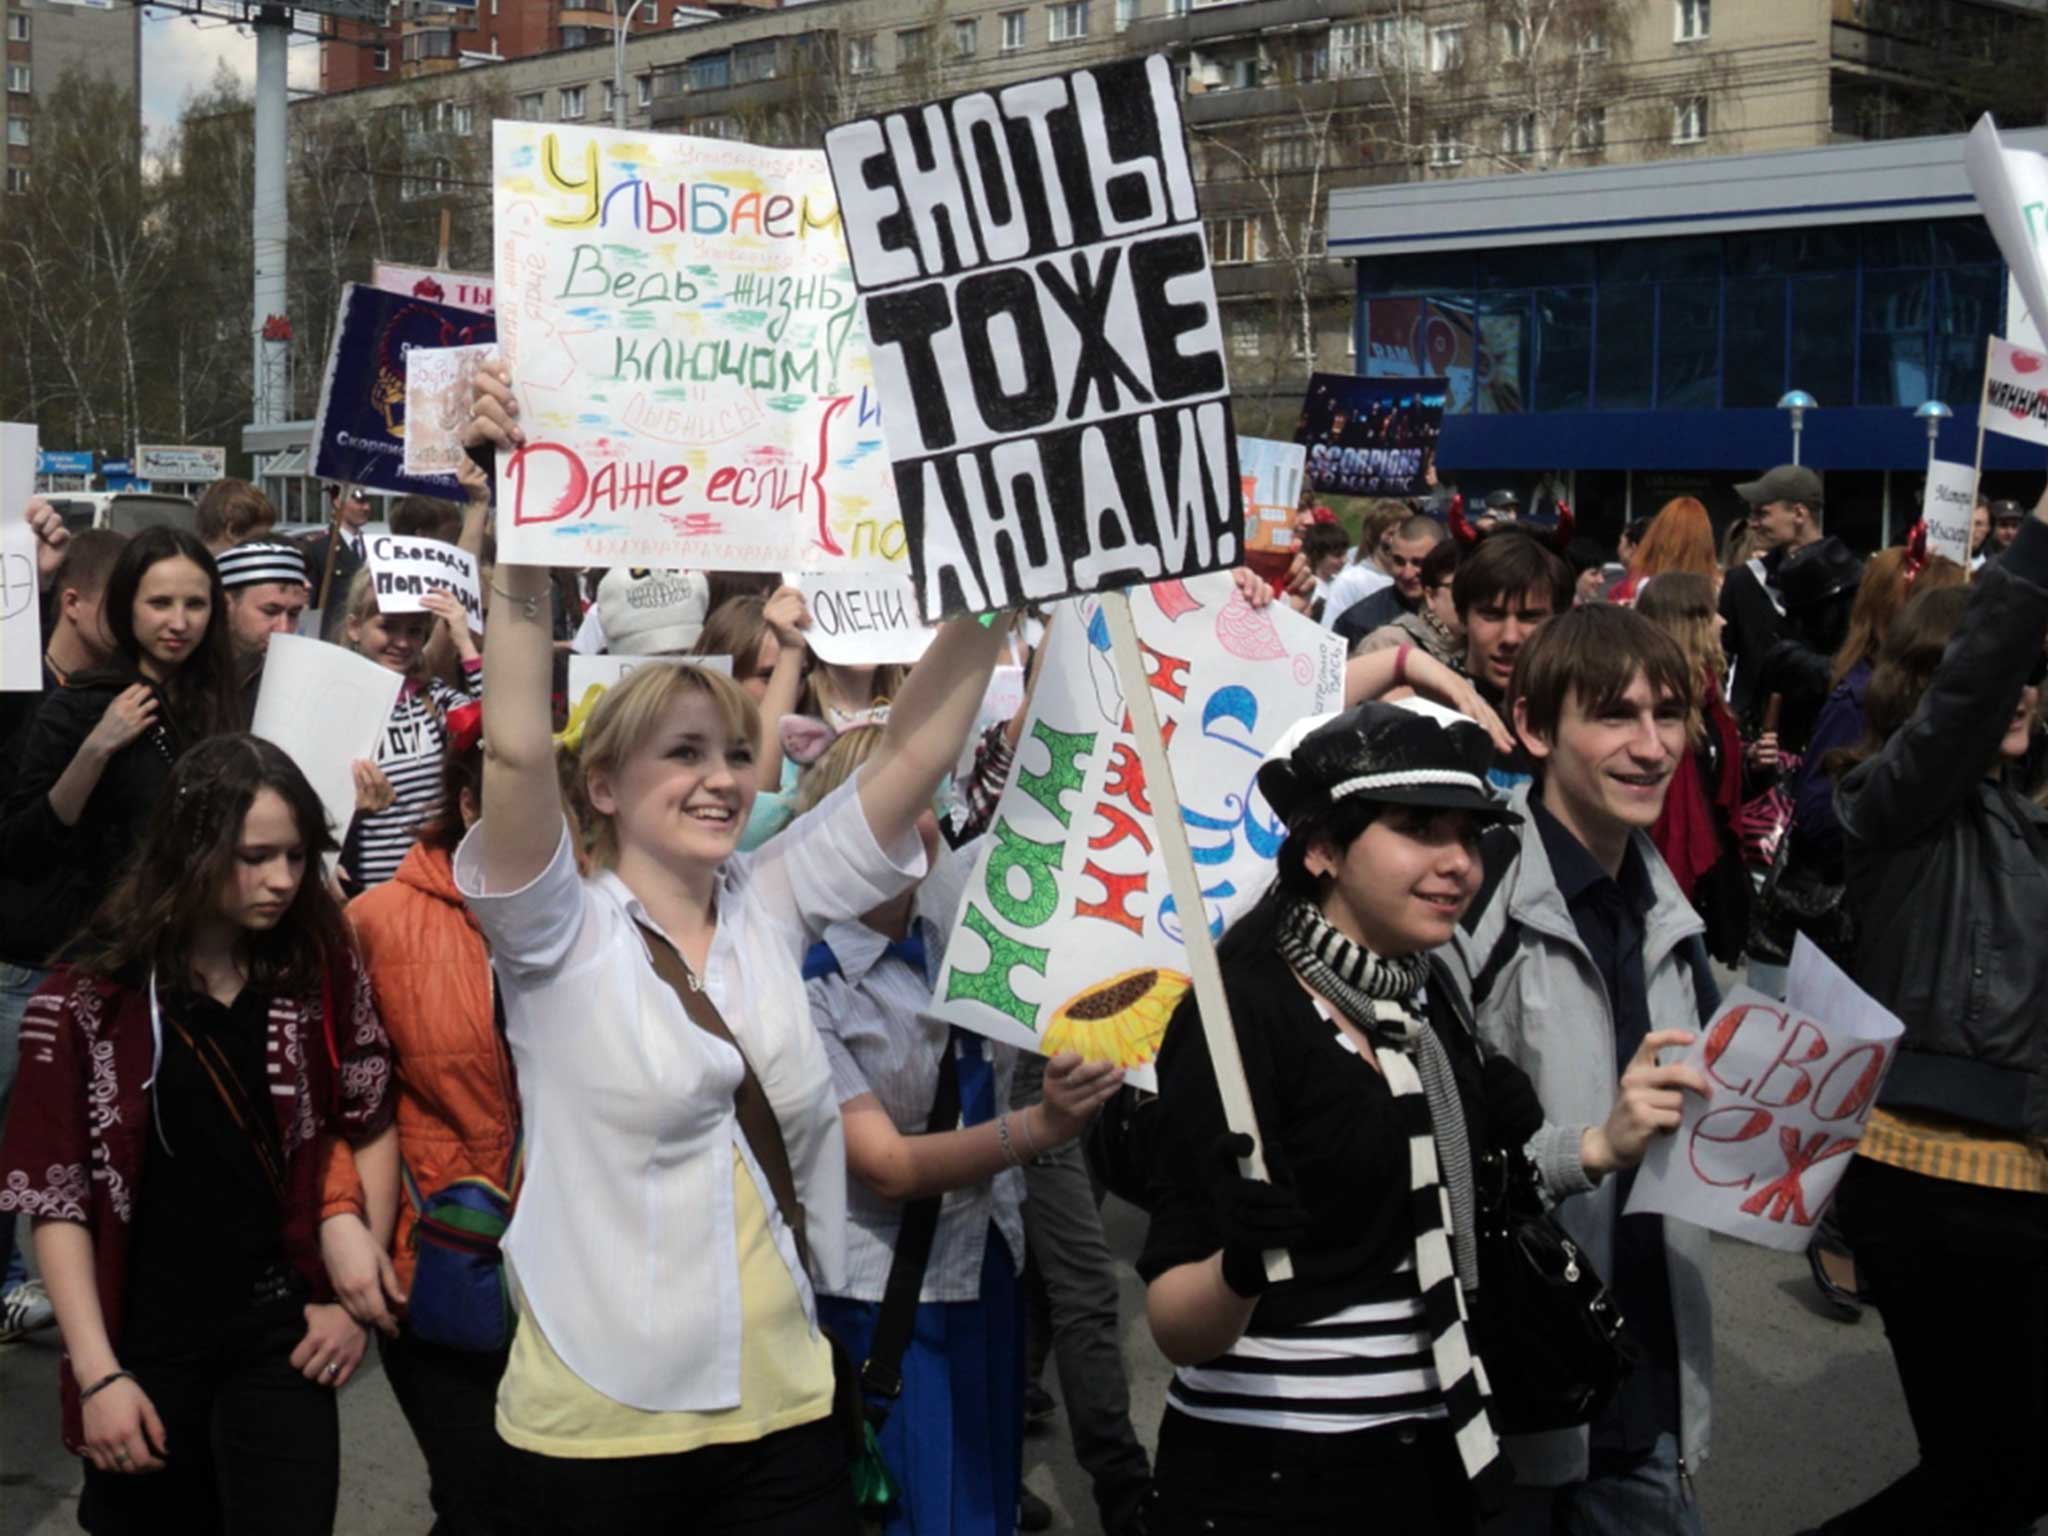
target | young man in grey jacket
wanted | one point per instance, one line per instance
(1582, 946)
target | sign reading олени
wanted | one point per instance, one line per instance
(1047, 345)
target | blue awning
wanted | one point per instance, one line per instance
(1745, 440)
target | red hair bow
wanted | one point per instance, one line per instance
(465, 727)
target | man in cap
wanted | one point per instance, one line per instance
(1579, 952)
(334, 557)
(652, 613)
(2006, 517)
(1784, 518)
(1502, 507)
(267, 589)
(1813, 578)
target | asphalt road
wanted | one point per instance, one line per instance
(1808, 1417)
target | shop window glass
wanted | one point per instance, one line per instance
(1754, 374)
(1896, 312)
(1688, 346)
(1564, 349)
(1622, 372)
(1823, 321)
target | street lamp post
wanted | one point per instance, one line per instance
(620, 26)
(1933, 413)
(1798, 402)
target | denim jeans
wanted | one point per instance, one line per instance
(1643, 1497)
(18, 983)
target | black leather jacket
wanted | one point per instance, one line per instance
(1948, 871)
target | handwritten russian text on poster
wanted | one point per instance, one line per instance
(686, 347)
(464, 290)
(1046, 339)
(404, 571)
(1068, 937)
(864, 620)
(1794, 1083)
(1945, 508)
(21, 619)
(439, 385)
(1371, 437)
(359, 431)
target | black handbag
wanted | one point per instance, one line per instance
(1550, 1333)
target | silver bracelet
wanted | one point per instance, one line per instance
(1030, 1140)
(1003, 1136)
(528, 604)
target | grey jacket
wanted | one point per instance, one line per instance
(1547, 1010)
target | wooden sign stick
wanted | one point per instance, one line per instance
(1983, 409)
(441, 256)
(1210, 1002)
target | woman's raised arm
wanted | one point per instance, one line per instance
(929, 722)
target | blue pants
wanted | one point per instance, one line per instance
(18, 983)
(954, 1444)
(1643, 1498)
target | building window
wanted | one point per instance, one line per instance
(17, 130)
(755, 61)
(913, 47)
(1013, 30)
(1689, 121)
(1126, 13)
(1285, 149)
(1066, 23)
(464, 119)
(643, 87)
(380, 59)
(17, 178)
(1518, 134)
(494, 7)
(1233, 241)
(1176, 7)
(966, 38)
(611, 101)
(710, 72)
(1514, 41)
(578, 37)
(17, 28)
(1691, 20)
(1589, 130)
(572, 104)
(1593, 40)
(494, 47)
(1446, 145)
(860, 55)
(1244, 339)
(1350, 49)
(1446, 48)
(17, 79)
(533, 108)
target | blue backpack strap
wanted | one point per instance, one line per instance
(1706, 992)
(820, 961)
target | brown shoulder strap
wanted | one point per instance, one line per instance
(756, 1115)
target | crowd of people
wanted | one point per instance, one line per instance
(591, 1073)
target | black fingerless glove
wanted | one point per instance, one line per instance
(1251, 1216)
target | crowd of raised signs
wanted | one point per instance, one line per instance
(589, 1068)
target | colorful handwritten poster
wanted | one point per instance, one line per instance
(1068, 937)
(1794, 1083)
(688, 356)
(359, 429)
(1048, 350)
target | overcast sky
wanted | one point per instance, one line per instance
(179, 58)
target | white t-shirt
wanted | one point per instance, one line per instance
(1351, 586)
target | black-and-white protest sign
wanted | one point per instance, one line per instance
(1046, 341)
(1950, 498)
(406, 570)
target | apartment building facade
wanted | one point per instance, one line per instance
(1290, 101)
(47, 39)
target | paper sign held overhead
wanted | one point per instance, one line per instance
(439, 384)
(21, 618)
(460, 290)
(1068, 937)
(691, 372)
(2012, 190)
(1794, 1083)
(1371, 437)
(2015, 392)
(359, 431)
(1047, 344)
(1945, 508)
(403, 571)
(864, 621)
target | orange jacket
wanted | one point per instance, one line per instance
(458, 1108)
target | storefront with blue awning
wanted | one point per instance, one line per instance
(1632, 329)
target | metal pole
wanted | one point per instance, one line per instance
(270, 215)
(619, 26)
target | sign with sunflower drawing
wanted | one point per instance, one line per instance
(1068, 937)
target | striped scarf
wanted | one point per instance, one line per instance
(1372, 992)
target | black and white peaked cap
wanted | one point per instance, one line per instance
(255, 561)
(1412, 753)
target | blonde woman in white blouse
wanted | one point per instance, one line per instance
(668, 1359)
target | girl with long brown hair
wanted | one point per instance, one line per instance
(182, 1084)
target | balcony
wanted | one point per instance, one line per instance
(1289, 99)
(1242, 18)
(747, 79)
(568, 16)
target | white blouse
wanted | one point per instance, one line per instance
(623, 1242)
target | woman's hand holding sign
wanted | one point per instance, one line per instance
(1651, 1103)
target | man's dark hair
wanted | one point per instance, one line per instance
(1507, 565)
(427, 517)
(230, 511)
(1319, 541)
(1592, 653)
(87, 562)
(1440, 564)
